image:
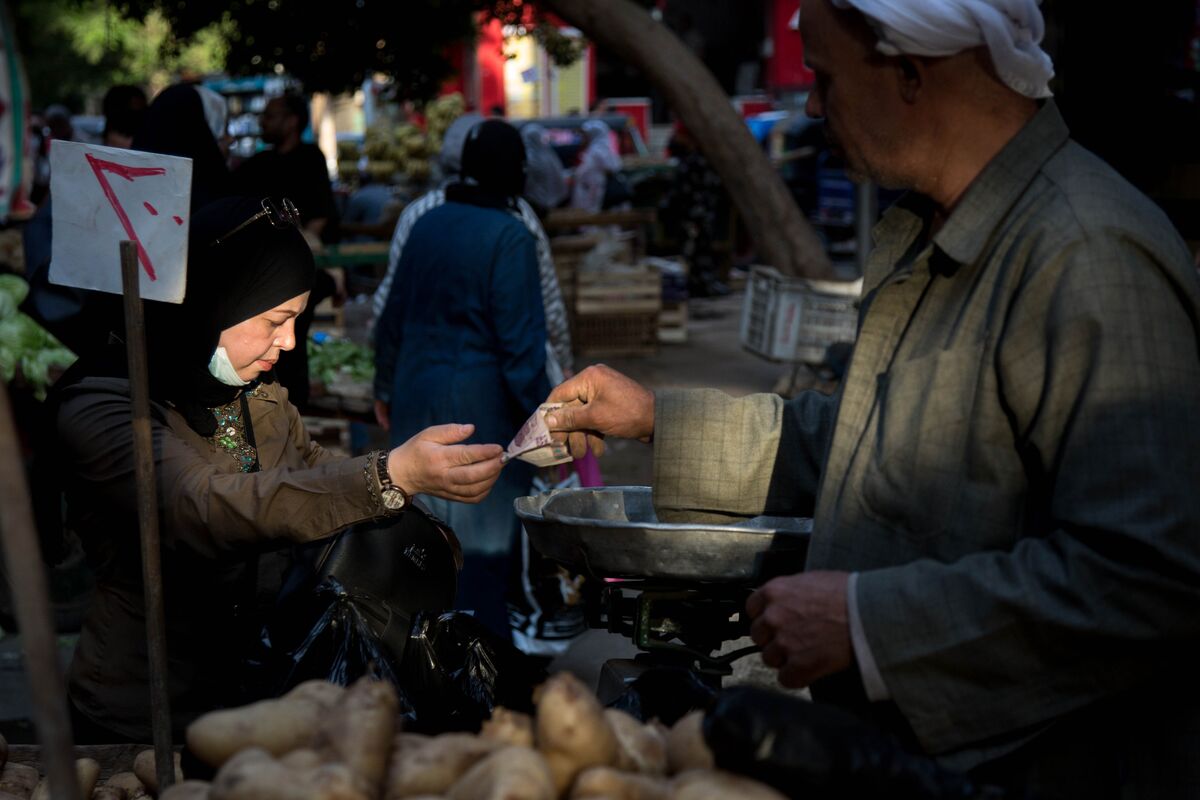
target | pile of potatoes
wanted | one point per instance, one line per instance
(22, 781)
(323, 742)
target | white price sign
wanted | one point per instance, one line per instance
(104, 195)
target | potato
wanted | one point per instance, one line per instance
(254, 775)
(509, 727)
(87, 772)
(686, 748)
(358, 731)
(277, 726)
(146, 771)
(127, 782)
(18, 779)
(613, 784)
(103, 792)
(186, 790)
(305, 758)
(706, 784)
(510, 773)
(641, 748)
(571, 730)
(431, 767)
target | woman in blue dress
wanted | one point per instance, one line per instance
(463, 337)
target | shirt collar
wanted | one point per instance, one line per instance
(987, 199)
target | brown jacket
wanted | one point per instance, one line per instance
(213, 519)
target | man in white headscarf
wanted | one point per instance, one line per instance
(1004, 568)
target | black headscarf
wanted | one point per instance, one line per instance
(252, 271)
(493, 167)
(174, 125)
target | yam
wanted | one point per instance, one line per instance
(509, 727)
(641, 748)
(686, 748)
(146, 770)
(358, 732)
(186, 790)
(127, 782)
(277, 726)
(18, 779)
(87, 772)
(103, 792)
(706, 784)
(432, 766)
(571, 730)
(254, 774)
(510, 773)
(614, 784)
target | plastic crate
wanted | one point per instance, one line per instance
(796, 320)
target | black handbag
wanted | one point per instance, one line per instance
(348, 604)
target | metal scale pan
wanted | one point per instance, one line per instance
(613, 532)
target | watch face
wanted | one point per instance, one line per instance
(393, 499)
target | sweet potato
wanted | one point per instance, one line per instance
(87, 772)
(254, 775)
(358, 731)
(614, 784)
(187, 790)
(509, 727)
(18, 779)
(571, 730)
(686, 748)
(127, 782)
(277, 726)
(706, 784)
(146, 771)
(432, 766)
(510, 773)
(641, 748)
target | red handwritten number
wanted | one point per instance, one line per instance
(100, 166)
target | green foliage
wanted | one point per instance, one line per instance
(335, 359)
(24, 344)
(74, 49)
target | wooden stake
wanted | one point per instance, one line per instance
(27, 575)
(147, 505)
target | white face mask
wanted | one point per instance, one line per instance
(221, 368)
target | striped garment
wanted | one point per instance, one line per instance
(558, 334)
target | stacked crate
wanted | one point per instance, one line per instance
(673, 319)
(616, 311)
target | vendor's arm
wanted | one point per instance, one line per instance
(213, 511)
(1099, 368)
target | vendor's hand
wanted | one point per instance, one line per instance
(611, 405)
(383, 415)
(432, 462)
(802, 624)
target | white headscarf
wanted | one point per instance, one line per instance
(216, 110)
(1011, 30)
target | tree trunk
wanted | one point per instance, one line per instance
(781, 235)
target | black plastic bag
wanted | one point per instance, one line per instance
(455, 671)
(816, 751)
(665, 694)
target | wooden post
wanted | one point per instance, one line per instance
(147, 505)
(26, 573)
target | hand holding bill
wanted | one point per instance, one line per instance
(603, 403)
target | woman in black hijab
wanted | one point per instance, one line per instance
(239, 480)
(176, 125)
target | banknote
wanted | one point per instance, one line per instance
(533, 442)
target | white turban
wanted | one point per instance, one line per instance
(1011, 30)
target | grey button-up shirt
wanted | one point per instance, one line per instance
(1011, 462)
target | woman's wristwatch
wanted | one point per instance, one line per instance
(392, 496)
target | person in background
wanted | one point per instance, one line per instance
(463, 335)
(697, 194)
(598, 161)
(188, 120)
(545, 182)
(295, 169)
(124, 108)
(560, 360)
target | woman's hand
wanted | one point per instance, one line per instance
(433, 462)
